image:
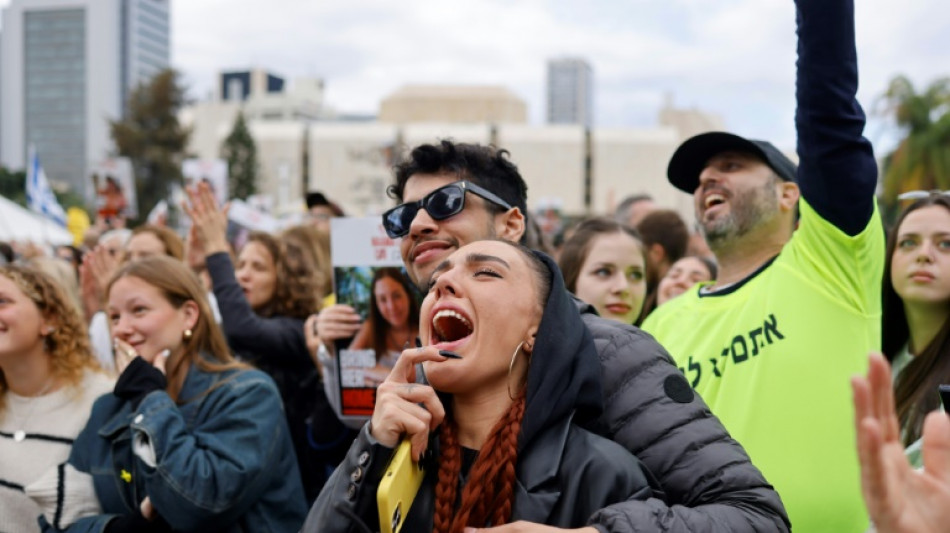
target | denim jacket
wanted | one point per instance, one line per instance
(221, 461)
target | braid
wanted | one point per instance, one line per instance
(450, 464)
(506, 478)
(490, 486)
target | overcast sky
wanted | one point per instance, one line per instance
(731, 57)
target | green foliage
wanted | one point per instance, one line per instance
(152, 138)
(13, 185)
(922, 159)
(240, 152)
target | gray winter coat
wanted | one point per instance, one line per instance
(649, 408)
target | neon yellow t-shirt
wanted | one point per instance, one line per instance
(773, 358)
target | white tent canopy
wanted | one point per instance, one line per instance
(20, 224)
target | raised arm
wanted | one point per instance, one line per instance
(837, 172)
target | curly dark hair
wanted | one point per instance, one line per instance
(295, 293)
(485, 166)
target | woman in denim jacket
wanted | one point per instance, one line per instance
(190, 440)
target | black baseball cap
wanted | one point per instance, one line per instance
(690, 158)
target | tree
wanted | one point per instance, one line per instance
(241, 154)
(152, 138)
(922, 159)
(13, 185)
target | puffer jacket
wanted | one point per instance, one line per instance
(563, 474)
(650, 409)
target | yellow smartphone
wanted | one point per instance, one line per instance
(398, 488)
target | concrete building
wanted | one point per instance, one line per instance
(453, 103)
(66, 69)
(570, 92)
(278, 114)
(581, 170)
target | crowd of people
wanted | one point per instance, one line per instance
(157, 382)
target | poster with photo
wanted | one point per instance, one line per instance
(368, 275)
(113, 184)
(212, 171)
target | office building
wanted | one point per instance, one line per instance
(570, 92)
(67, 67)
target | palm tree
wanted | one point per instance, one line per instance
(922, 159)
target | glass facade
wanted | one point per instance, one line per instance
(146, 36)
(55, 91)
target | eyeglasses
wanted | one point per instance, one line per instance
(441, 204)
(919, 195)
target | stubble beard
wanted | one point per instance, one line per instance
(746, 211)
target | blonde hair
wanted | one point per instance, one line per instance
(315, 245)
(68, 344)
(63, 274)
(174, 246)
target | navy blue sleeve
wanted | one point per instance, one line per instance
(280, 338)
(837, 172)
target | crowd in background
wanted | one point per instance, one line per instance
(152, 381)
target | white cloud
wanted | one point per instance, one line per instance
(732, 57)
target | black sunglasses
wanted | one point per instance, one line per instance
(441, 204)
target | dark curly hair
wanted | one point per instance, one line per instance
(295, 293)
(485, 166)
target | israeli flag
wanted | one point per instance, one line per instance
(39, 195)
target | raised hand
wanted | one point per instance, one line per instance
(98, 267)
(398, 412)
(899, 498)
(209, 222)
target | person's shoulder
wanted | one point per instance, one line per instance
(96, 382)
(239, 380)
(607, 333)
(599, 458)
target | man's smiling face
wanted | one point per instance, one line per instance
(430, 241)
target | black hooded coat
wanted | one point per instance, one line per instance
(564, 473)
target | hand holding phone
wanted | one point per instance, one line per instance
(398, 488)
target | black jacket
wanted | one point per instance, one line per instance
(277, 346)
(564, 473)
(707, 480)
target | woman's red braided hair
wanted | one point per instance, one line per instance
(489, 492)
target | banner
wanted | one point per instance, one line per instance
(214, 172)
(114, 184)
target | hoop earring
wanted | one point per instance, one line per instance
(187, 334)
(511, 366)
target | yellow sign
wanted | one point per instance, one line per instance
(77, 222)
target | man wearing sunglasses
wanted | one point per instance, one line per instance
(772, 343)
(453, 194)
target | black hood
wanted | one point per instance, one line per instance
(564, 375)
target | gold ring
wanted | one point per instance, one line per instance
(131, 353)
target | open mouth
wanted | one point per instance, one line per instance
(450, 326)
(713, 200)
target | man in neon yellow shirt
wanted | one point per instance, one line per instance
(771, 344)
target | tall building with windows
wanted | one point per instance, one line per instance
(570, 87)
(66, 69)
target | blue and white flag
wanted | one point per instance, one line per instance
(39, 195)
